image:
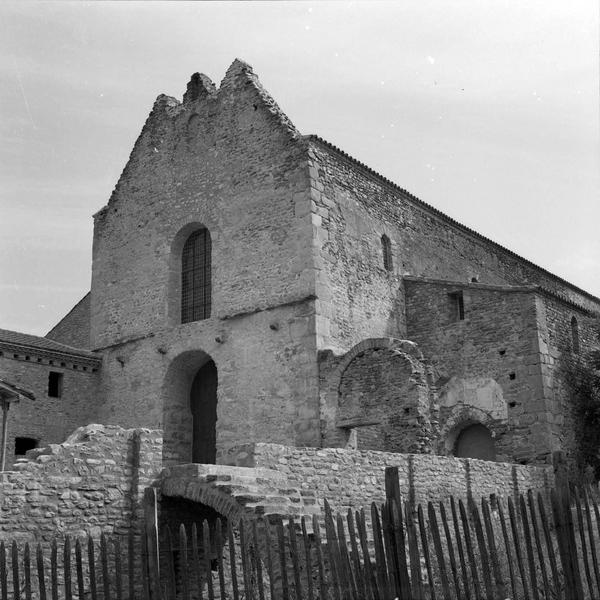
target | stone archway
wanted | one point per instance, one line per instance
(475, 441)
(473, 418)
(190, 401)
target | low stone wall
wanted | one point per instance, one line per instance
(91, 483)
(354, 478)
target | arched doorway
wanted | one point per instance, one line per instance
(475, 441)
(203, 404)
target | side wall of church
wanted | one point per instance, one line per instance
(558, 358)
(46, 419)
(488, 364)
(227, 160)
(358, 298)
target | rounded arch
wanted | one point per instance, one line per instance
(175, 279)
(473, 440)
(177, 417)
(380, 398)
(407, 347)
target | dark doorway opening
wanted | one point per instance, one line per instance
(23, 444)
(475, 441)
(203, 402)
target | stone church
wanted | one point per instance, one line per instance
(254, 284)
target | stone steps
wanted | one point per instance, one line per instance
(258, 491)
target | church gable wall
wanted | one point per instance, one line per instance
(488, 364)
(355, 208)
(227, 160)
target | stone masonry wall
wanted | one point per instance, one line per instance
(558, 353)
(487, 364)
(378, 396)
(74, 328)
(45, 419)
(229, 160)
(358, 299)
(376, 388)
(91, 483)
(266, 379)
(226, 159)
(353, 479)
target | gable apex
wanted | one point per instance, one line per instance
(199, 87)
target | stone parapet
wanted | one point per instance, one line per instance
(354, 478)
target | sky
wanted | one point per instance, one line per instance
(488, 110)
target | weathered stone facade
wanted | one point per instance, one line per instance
(338, 310)
(230, 161)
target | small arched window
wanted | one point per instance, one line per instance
(386, 247)
(575, 335)
(196, 277)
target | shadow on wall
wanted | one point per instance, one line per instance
(189, 400)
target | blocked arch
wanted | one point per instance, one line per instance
(459, 422)
(406, 347)
(386, 425)
(174, 278)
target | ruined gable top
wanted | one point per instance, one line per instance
(312, 138)
(238, 78)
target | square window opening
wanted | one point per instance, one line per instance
(55, 384)
(457, 306)
(23, 444)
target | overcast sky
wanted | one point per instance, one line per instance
(486, 109)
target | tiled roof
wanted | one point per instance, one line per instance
(16, 338)
(11, 389)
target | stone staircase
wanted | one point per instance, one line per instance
(239, 492)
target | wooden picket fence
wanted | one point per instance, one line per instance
(530, 547)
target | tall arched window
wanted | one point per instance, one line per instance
(386, 247)
(195, 277)
(575, 335)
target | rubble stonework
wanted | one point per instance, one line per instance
(353, 479)
(91, 483)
